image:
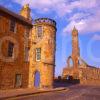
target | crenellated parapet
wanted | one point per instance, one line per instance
(45, 21)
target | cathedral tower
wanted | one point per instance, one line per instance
(42, 53)
(75, 43)
(75, 47)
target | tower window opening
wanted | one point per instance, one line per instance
(38, 54)
(39, 31)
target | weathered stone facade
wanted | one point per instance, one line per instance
(47, 43)
(19, 71)
(87, 74)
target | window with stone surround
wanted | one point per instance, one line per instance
(18, 80)
(12, 26)
(39, 31)
(10, 49)
(38, 54)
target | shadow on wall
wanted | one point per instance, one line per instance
(68, 81)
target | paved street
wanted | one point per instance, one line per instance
(74, 93)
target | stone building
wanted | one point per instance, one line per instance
(77, 68)
(27, 50)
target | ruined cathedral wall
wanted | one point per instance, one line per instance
(90, 76)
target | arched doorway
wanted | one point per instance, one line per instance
(37, 79)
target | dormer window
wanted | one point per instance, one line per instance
(12, 26)
(39, 31)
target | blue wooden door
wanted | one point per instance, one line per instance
(37, 79)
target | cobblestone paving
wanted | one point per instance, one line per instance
(75, 93)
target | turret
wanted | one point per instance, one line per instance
(42, 57)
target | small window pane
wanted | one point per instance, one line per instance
(39, 31)
(18, 80)
(38, 54)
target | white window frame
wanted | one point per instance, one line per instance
(18, 85)
(37, 54)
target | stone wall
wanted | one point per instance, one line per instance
(9, 67)
(67, 71)
(47, 43)
(90, 76)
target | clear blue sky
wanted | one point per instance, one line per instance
(84, 14)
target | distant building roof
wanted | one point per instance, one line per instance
(17, 16)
